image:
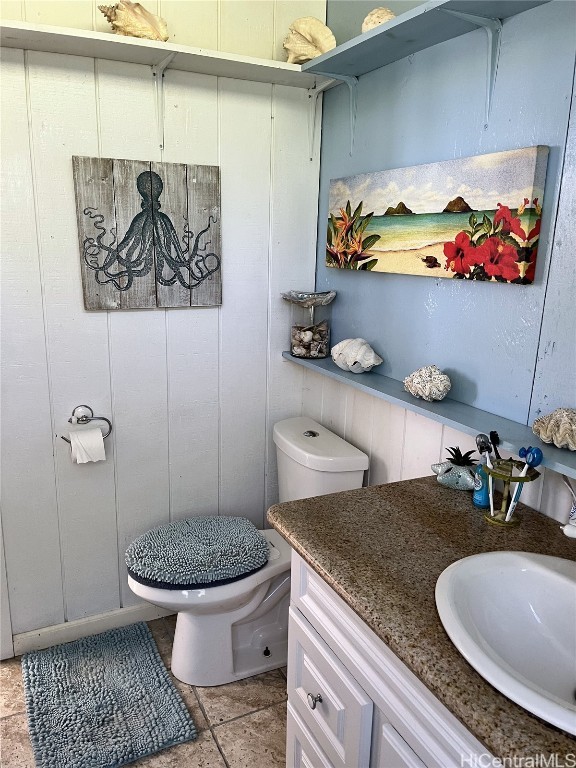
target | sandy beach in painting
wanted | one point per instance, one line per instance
(409, 262)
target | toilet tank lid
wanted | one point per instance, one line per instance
(323, 451)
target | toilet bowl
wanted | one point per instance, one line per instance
(230, 631)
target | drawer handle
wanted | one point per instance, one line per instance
(312, 700)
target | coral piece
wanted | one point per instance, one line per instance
(428, 383)
(133, 20)
(558, 427)
(308, 37)
(355, 355)
(376, 17)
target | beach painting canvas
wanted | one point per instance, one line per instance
(474, 218)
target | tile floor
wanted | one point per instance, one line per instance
(240, 725)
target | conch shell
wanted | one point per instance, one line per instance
(429, 383)
(376, 17)
(133, 20)
(558, 427)
(355, 355)
(308, 37)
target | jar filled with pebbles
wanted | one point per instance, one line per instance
(310, 338)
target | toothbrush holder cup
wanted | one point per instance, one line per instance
(508, 471)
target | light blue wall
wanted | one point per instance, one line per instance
(430, 107)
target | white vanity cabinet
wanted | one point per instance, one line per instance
(351, 702)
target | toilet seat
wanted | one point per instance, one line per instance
(221, 596)
(196, 553)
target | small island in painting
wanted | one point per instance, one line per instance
(475, 218)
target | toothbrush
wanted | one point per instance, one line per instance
(483, 445)
(495, 440)
(533, 459)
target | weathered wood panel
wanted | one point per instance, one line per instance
(135, 238)
(94, 189)
(168, 241)
(149, 233)
(204, 214)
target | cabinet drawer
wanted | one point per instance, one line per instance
(341, 717)
(390, 749)
(437, 738)
(302, 749)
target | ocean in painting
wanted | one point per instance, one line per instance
(418, 230)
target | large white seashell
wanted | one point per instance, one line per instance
(428, 383)
(558, 427)
(355, 355)
(308, 37)
(376, 17)
(133, 20)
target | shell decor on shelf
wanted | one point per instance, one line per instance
(133, 20)
(429, 383)
(376, 17)
(558, 427)
(308, 38)
(355, 355)
(457, 471)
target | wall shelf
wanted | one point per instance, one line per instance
(462, 417)
(99, 45)
(420, 28)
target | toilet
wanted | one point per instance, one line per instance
(239, 629)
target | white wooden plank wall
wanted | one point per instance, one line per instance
(250, 27)
(401, 444)
(291, 269)
(35, 585)
(192, 393)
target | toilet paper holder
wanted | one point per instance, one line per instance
(85, 418)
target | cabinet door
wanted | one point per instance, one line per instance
(389, 750)
(302, 749)
(324, 694)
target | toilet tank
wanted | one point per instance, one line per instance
(313, 461)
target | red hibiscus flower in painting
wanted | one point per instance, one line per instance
(461, 255)
(500, 260)
(509, 223)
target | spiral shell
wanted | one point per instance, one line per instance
(308, 37)
(355, 355)
(376, 17)
(429, 383)
(558, 427)
(133, 20)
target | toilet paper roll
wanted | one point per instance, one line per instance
(87, 445)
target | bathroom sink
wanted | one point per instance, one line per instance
(512, 615)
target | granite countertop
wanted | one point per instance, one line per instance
(382, 549)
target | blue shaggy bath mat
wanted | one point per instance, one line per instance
(102, 702)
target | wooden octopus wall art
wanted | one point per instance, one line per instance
(149, 233)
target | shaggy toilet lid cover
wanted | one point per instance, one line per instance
(197, 552)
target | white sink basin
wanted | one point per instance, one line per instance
(512, 615)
